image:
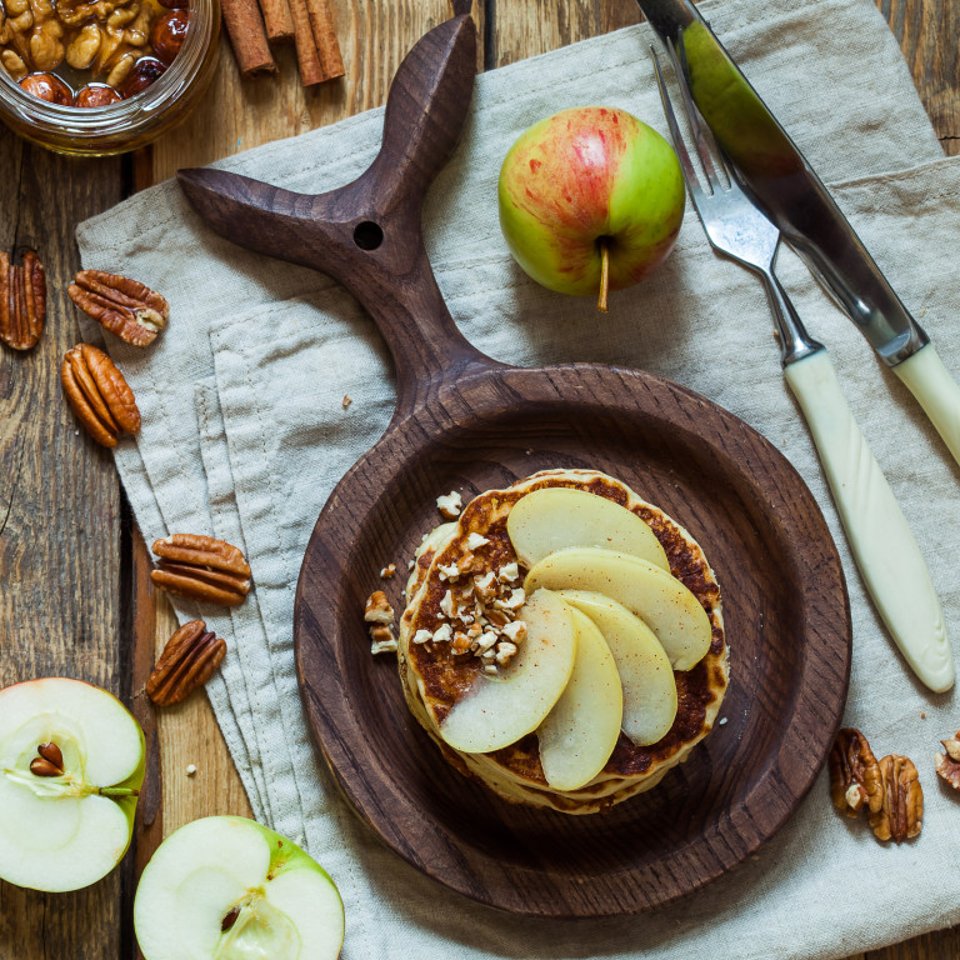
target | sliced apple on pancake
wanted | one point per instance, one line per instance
(649, 687)
(580, 732)
(659, 599)
(555, 518)
(498, 711)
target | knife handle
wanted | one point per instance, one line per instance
(885, 551)
(925, 376)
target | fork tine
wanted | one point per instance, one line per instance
(703, 140)
(686, 164)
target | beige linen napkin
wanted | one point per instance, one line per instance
(245, 435)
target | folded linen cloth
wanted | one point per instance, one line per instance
(245, 435)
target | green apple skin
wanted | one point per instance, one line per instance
(582, 175)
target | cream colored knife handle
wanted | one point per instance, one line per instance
(925, 376)
(885, 550)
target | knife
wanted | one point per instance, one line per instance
(785, 186)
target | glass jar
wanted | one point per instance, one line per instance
(131, 123)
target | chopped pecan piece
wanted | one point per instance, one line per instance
(98, 394)
(127, 308)
(201, 568)
(378, 609)
(900, 816)
(23, 301)
(855, 779)
(947, 764)
(188, 661)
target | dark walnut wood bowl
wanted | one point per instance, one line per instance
(468, 423)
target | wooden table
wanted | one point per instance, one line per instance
(75, 595)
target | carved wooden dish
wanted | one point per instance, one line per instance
(468, 423)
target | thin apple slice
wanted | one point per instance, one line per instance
(660, 600)
(226, 887)
(66, 821)
(498, 711)
(580, 732)
(555, 518)
(649, 687)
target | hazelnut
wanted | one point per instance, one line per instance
(145, 71)
(97, 95)
(45, 86)
(168, 33)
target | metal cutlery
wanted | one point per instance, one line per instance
(884, 548)
(788, 190)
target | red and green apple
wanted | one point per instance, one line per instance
(590, 199)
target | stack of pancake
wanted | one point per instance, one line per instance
(436, 677)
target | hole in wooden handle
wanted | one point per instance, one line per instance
(368, 235)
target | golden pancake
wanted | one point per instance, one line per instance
(434, 678)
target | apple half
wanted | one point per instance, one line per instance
(227, 888)
(649, 687)
(580, 732)
(554, 518)
(498, 711)
(659, 599)
(72, 761)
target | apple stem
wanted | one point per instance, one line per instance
(118, 792)
(604, 274)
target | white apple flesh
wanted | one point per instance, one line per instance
(659, 599)
(68, 825)
(580, 732)
(554, 518)
(498, 711)
(649, 687)
(227, 888)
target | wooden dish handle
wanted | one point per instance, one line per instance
(368, 233)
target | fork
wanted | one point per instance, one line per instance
(884, 549)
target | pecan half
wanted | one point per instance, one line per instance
(855, 778)
(23, 301)
(127, 308)
(201, 568)
(188, 661)
(900, 816)
(947, 764)
(98, 394)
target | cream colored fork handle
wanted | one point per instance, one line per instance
(885, 550)
(925, 376)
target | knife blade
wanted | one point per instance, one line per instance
(782, 182)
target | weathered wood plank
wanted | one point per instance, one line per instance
(60, 604)
(928, 31)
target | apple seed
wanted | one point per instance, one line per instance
(230, 919)
(49, 763)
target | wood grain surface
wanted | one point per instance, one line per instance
(93, 631)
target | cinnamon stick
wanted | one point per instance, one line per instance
(245, 27)
(311, 69)
(276, 16)
(325, 36)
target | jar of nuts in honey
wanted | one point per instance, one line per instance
(95, 77)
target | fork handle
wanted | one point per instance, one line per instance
(885, 550)
(795, 342)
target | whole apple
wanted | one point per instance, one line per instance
(72, 762)
(591, 199)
